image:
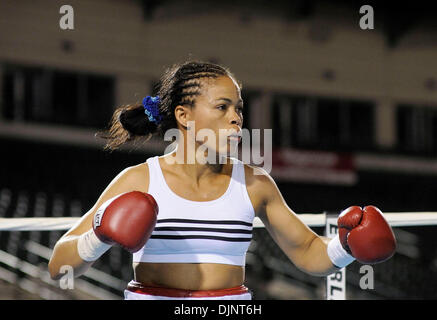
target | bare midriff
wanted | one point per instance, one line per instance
(189, 276)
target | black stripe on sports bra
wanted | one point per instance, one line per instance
(203, 229)
(180, 237)
(237, 222)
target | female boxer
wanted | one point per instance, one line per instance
(187, 222)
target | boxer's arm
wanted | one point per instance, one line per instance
(65, 251)
(306, 249)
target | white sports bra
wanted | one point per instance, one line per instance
(216, 231)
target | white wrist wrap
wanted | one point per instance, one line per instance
(337, 254)
(89, 247)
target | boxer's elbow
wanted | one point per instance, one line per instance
(59, 258)
(65, 259)
(314, 259)
(54, 267)
(54, 271)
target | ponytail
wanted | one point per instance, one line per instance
(128, 123)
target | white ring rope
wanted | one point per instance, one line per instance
(37, 224)
(396, 219)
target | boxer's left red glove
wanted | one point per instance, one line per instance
(363, 234)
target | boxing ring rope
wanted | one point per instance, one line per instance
(395, 219)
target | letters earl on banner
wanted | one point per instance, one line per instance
(336, 282)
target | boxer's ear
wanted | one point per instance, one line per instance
(183, 115)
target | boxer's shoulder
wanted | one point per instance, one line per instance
(256, 177)
(134, 177)
(259, 184)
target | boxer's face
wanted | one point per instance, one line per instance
(219, 108)
(217, 114)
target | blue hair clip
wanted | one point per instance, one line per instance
(151, 108)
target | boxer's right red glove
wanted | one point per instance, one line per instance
(127, 220)
(366, 234)
(363, 234)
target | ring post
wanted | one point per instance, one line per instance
(335, 282)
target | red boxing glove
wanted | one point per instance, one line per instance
(128, 220)
(366, 235)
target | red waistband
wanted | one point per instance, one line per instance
(181, 293)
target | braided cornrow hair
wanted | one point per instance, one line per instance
(179, 85)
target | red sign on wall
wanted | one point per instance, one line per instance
(313, 167)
